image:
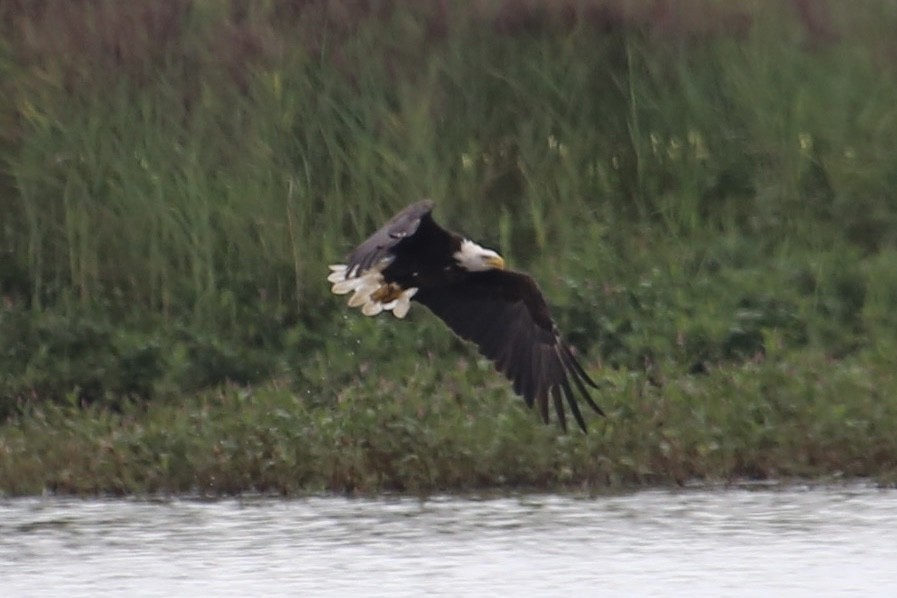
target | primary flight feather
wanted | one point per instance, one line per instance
(503, 312)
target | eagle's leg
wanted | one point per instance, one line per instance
(387, 292)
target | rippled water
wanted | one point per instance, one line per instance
(816, 541)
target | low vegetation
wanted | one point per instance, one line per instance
(804, 418)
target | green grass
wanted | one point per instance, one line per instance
(462, 430)
(708, 190)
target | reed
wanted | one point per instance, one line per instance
(213, 154)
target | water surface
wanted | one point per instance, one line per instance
(733, 542)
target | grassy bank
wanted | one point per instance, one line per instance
(704, 190)
(806, 418)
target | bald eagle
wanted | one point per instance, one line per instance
(467, 287)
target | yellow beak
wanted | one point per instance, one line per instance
(496, 262)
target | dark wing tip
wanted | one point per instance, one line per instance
(579, 376)
(559, 409)
(556, 378)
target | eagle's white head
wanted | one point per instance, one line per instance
(474, 258)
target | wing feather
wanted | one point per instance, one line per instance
(559, 407)
(576, 373)
(571, 400)
(521, 352)
(582, 373)
(540, 367)
(541, 399)
(378, 246)
(505, 314)
(517, 371)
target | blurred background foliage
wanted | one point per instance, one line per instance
(694, 183)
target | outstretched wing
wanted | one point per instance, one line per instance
(377, 247)
(505, 314)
